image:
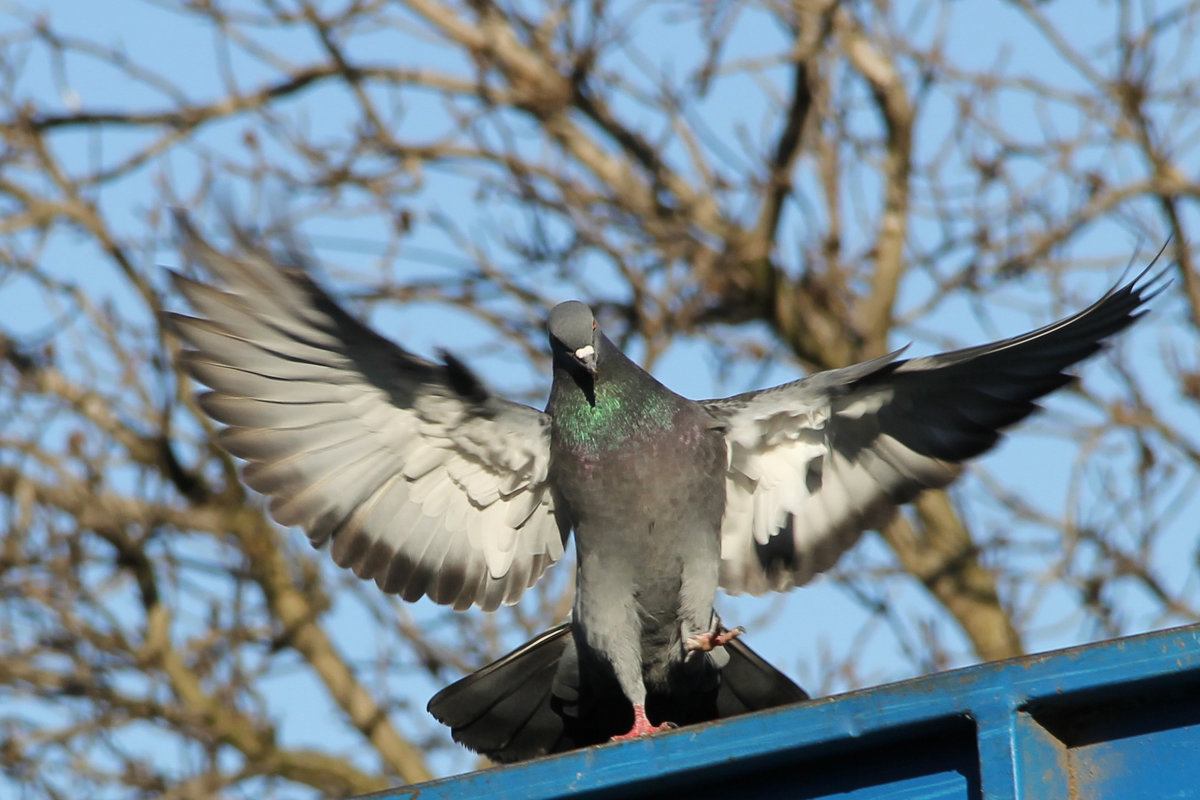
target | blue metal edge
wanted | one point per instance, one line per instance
(991, 694)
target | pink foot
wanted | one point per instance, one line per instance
(707, 641)
(642, 726)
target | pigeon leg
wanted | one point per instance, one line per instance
(716, 636)
(642, 726)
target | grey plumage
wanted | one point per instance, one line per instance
(429, 484)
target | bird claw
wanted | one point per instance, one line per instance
(639, 733)
(642, 727)
(709, 640)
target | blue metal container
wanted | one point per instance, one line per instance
(1118, 720)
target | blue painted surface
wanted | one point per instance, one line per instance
(1118, 770)
(1119, 719)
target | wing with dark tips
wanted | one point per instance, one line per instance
(815, 462)
(425, 481)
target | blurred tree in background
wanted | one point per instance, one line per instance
(742, 189)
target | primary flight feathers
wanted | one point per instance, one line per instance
(432, 485)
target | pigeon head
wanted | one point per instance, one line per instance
(574, 336)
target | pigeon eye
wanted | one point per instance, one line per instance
(593, 324)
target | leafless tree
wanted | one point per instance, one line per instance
(774, 184)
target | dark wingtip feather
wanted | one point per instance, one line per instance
(959, 402)
(1147, 290)
(187, 238)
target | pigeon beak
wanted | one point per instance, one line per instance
(587, 356)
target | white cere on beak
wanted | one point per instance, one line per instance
(585, 352)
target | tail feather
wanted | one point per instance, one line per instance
(749, 683)
(508, 711)
(504, 710)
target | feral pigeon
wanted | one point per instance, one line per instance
(423, 480)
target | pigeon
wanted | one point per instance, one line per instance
(420, 478)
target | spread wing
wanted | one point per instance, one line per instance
(815, 462)
(426, 482)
